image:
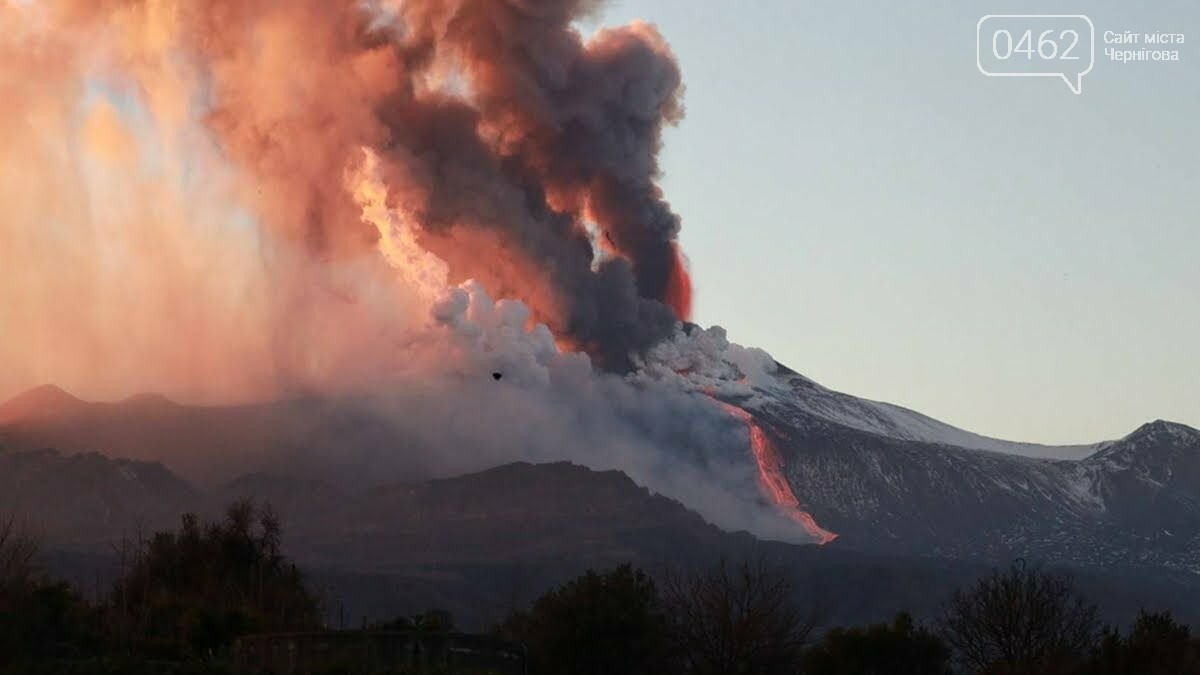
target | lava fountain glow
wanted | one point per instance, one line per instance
(679, 286)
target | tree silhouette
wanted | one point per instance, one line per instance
(191, 592)
(1157, 645)
(39, 618)
(1021, 621)
(735, 619)
(17, 550)
(431, 621)
(596, 624)
(898, 648)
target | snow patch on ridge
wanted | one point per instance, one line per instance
(705, 360)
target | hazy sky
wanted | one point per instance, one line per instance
(859, 200)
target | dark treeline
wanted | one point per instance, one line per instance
(185, 596)
(737, 619)
(181, 600)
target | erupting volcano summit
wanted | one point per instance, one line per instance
(239, 200)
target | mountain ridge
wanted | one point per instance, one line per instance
(896, 421)
(405, 547)
(43, 400)
(891, 492)
(881, 485)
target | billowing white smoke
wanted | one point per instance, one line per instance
(493, 337)
(483, 384)
(657, 425)
(696, 359)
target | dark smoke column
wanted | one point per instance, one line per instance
(498, 129)
(585, 122)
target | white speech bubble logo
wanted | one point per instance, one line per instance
(1036, 45)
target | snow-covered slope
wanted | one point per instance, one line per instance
(703, 359)
(893, 421)
(883, 477)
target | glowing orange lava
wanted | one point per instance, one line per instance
(679, 286)
(770, 477)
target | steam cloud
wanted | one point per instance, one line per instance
(553, 405)
(246, 199)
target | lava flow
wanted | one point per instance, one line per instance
(770, 477)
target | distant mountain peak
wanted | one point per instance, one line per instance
(45, 401)
(1162, 430)
(149, 399)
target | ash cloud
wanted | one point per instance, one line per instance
(525, 153)
(239, 200)
(551, 405)
(502, 129)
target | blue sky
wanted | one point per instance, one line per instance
(859, 200)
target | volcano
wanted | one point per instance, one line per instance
(476, 543)
(371, 246)
(883, 478)
(890, 479)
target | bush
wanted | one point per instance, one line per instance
(898, 648)
(597, 624)
(190, 593)
(39, 618)
(1156, 645)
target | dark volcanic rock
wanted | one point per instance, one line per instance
(1132, 505)
(88, 501)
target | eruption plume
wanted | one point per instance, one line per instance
(247, 199)
(507, 139)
